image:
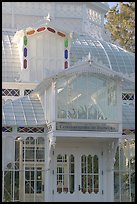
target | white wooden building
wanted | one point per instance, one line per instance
(67, 135)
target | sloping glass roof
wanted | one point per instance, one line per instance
(10, 57)
(25, 111)
(109, 54)
(128, 116)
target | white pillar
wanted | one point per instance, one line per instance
(47, 179)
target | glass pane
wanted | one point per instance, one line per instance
(27, 175)
(71, 183)
(89, 164)
(125, 187)
(96, 184)
(95, 164)
(83, 164)
(32, 187)
(65, 173)
(32, 175)
(39, 186)
(90, 184)
(65, 181)
(39, 175)
(116, 187)
(84, 183)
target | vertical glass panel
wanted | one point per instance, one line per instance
(125, 194)
(62, 100)
(95, 164)
(84, 183)
(82, 93)
(71, 164)
(72, 97)
(66, 178)
(89, 164)
(87, 96)
(65, 173)
(31, 187)
(39, 187)
(71, 183)
(116, 165)
(8, 186)
(83, 164)
(90, 183)
(96, 183)
(16, 188)
(116, 187)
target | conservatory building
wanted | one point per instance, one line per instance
(68, 114)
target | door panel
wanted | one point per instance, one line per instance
(34, 184)
(78, 174)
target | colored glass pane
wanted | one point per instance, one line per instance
(51, 30)
(30, 32)
(66, 54)
(66, 42)
(41, 29)
(25, 52)
(25, 64)
(61, 34)
(25, 40)
(66, 64)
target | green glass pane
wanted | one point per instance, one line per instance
(66, 42)
(25, 40)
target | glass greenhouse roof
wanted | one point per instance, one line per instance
(25, 111)
(109, 54)
(28, 111)
(10, 58)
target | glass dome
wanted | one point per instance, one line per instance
(109, 54)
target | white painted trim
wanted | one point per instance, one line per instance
(86, 134)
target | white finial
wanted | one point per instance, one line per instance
(89, 58)
(47, 17)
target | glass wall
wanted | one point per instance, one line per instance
(86, 96)
(124, 172)
(23, 179)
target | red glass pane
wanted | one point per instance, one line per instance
(41, 29)
(51, 30)
(66, 64)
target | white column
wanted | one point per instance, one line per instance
(47, 179)
(119, 102)
(53, 100)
